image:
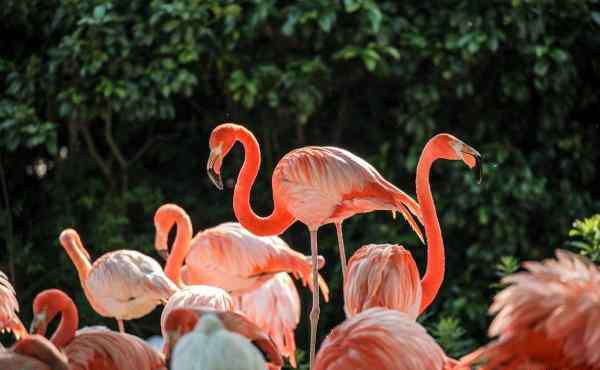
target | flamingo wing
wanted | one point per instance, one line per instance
(275, 308)
(33, 352)
(9, 308)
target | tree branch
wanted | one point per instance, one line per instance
(104, 167)
(111, 141)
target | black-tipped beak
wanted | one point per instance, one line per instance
(163, 253)
(215, 178)
(478, 167)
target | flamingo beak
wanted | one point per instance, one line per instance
(214, 175)
(160, 244)
(38, 324)
(473, 159)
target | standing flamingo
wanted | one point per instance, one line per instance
(381, 339)
(9, 308)
(387, 275)
(33, 352)
(275, 308)
(547, 318)
(123, 284)
(183, 320)
(210, 346)
(315, 185)
(94, 348)
(227, 255)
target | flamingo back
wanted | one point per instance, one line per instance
(379, 339)
(9, 307)
(382, 275)
(275, 308)
(127, 284)
(33, 352)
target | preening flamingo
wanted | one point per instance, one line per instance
(314, 185)
(183, 320)
(95, 348)
(227, 255)
(275, 308)
(380, 339)
(33, 352)
(123, 284)
(210, 346)
(9, 308)
(548, 317)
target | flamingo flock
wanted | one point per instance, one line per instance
(230, 302)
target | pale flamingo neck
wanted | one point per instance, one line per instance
(434, 275)
(81, 259)
(69, 321)
(181, 247)
(280, 219)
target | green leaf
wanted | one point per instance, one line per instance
(541, 67)
(559, 55)
(352, 5)
(99, 11)
(596, 17)
(375, 17)
(327, 21)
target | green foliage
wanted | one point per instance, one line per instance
(451, 336)
(587, 231)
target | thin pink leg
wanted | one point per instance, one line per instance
(314, 313)
(340, 236)
(121, 326)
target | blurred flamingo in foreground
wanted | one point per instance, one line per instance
(9, 308)
(227, 255)
(314, 185)
(210, 346)
(183, 320)
(381, 339)
(94, 348)
(33, 352)
(275, 308)
(123, 284)
(547, 318)
(386, 275)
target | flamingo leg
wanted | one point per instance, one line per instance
(340, 236)
(314, 313)
(121, 326)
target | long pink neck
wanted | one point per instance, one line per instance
(434, 275)
(280, 219)
(69, 321)
(181, 246)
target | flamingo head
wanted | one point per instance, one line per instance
(165, 218)
(179, 322)
(220, 143)
(46, 306)
(71, 242)
(451, 148)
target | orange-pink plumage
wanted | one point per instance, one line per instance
(9, 307)
(33, 353)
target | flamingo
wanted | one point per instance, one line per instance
(93, 348)
(275, 308)
(547, 317)
(381, 339)
(33, 352)
(9, 308)
(387, 275)
(123, 284)
(210, 346)
(315, 185)
(183, 320)
(227, 255)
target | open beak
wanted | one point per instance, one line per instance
(473, 159)
(214, 176)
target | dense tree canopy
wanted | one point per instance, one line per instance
(106, 107)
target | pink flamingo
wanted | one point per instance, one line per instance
(381, 339)
(94, 348)
(33, 352)
(387, 275)
(227, 255)
(275, 308)
(547, 318)
(9, 308)
(183, 320)
(315, 185)
(123, 284)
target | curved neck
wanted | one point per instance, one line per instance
(280, 219)
(69, 321)
(434, 275)
(81, 259)
(181, 246)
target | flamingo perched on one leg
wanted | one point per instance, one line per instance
(183, 320)
(548, 317)
(211, 346)
(33, 352)
(315, 185)
(123, 284)
(228, 255)
(381, 339)
(94, 348)
(275, 308)
(387, 275)
(9, 308)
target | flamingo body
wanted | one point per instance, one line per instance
(275, 308)
(33, 353)
(9, 308)
(382, 275)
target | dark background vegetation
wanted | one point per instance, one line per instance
(106, 108)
